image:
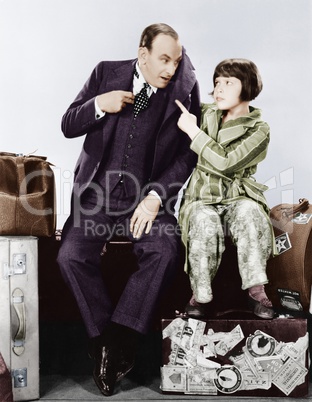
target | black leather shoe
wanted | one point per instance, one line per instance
(111, 365)
(106, 369)
(125, 363)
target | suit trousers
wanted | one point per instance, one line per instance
(251, 233)
(93, 221)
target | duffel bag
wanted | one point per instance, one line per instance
(27, 195)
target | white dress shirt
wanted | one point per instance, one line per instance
(137, 86)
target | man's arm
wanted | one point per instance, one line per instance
(80, 117)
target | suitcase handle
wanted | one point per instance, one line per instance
(302, 206)
(19, 307)
(283, 213)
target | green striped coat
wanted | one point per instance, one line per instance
(227, 159)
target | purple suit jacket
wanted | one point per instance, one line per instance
(173, 158)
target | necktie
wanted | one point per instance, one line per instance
(141, 100)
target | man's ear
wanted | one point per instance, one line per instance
(142, 53)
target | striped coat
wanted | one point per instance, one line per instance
(227, 159)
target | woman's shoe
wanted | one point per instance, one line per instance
(261, 308)
(196, 310)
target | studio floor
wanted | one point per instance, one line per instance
(55, 388)
(66, 371)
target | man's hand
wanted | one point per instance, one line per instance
(114, 101)
(144, 215)
(187, 121)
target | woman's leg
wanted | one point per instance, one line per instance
(251, 233)
(205, 248)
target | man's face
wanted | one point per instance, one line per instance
(159, 65)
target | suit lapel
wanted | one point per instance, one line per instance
(181, 86)
(121, 78)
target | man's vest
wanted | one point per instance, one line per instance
(130, 157)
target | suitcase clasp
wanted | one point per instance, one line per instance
(18, 266)
(19, 378)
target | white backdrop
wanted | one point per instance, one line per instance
(49, 47)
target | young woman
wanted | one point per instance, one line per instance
(231, 141)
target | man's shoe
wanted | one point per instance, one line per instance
(125, 364)
(111, 365)
(106, 369)
(261, 308)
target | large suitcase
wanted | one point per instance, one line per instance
(267, 358)
(290, 273)
(19, 335)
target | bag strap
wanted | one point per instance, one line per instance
(21, 175)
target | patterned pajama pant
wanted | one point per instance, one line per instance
(250, 232)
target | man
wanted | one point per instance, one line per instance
(133, 163)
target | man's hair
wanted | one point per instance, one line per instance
(246, 71)
(150, 33)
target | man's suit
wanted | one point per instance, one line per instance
(169, 164)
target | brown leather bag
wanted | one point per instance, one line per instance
(27, 195)
(290, 273)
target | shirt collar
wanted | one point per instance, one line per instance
(139, 82)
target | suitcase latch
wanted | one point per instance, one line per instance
(18, 266)
(19, 378)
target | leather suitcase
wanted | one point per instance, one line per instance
(290, 273)
(19, 335)
(249, 358)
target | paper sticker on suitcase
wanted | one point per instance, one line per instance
(235, 357)
(19, 337)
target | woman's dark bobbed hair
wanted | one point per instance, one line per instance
(246, 71)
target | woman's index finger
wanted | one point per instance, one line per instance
(181, 106)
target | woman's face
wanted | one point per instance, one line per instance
(227, 92)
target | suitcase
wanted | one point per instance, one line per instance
(290, 272)
(267, 358)
(19, 335)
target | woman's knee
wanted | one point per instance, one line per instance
(249, 209)
(205, 223)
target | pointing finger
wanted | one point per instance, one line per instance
(181, 106)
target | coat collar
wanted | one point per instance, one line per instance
(232, 129)
(181, 84)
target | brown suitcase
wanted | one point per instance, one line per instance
(290, 273)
